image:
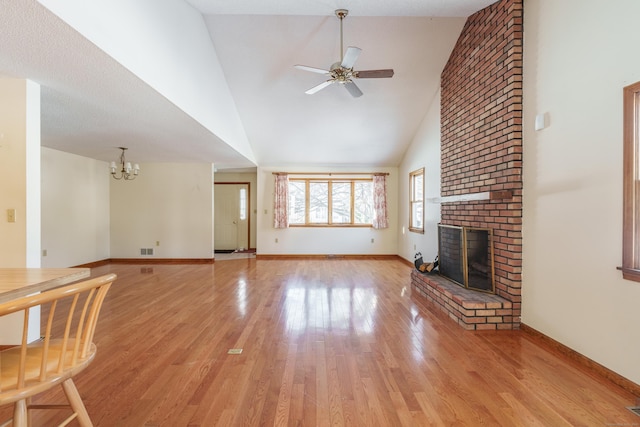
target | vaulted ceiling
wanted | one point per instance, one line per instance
(254, 110)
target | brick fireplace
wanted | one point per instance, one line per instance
(481, 162)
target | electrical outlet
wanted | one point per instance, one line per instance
(11, 215)
(157, 242)
(276, 240)
(44, 252)
(372, 240)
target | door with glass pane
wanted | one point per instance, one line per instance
(231, 216)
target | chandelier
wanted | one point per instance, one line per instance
(126, 171)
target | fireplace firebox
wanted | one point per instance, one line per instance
(465, 256)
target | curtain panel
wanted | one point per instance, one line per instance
(280, 201)
(380, 217)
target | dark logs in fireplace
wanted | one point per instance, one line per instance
(466, 256)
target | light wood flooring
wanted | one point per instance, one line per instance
(336, 342)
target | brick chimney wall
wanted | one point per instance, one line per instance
(481, 136)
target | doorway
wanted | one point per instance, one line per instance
(231, 214)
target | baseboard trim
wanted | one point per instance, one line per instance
(146, 261)
(93, 264)
(326, 257)
(584, 361)
(258, 256)
(406, 261)
(162, 260)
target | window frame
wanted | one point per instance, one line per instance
(330, 223)
(412, 201)
(631, 184)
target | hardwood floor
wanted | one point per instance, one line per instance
(338, 342)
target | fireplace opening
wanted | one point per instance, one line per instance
(465, 256)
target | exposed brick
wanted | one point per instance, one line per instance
(481, 141)
(486, 327)
(485, 313)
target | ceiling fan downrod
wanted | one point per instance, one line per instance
(341, 14)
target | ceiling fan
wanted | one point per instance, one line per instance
(342, 72)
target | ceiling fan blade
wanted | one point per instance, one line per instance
(313, 69)
(373, 74)
(350, 57)
(319, 87)
(353, 89)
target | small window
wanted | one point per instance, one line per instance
(363, 202)
(297, 202)
(341, 202)
(631, 202)
(243, 204)
(416, 201)
(319, 202)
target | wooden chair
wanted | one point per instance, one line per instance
(64, 350)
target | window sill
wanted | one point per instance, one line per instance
(630, 274)
(331, 225)
(417, 230)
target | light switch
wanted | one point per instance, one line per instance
(11, 215)
(541, 121)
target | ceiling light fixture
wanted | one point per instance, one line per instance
(126, 171)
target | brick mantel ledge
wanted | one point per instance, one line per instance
(472, 310)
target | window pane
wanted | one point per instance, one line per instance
(418, 185)
(363, 202)
(636, 162)
(416, 215)
(318, 202)
(243, 204)
(341, 202)
(416, 202)
(296, 202)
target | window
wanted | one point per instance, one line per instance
(330, 202)
(631, 203)
(416, 201)
(243, 204)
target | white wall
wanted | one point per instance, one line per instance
(20, 172)
(167, 45)
(578, 55)
(19, 190)
(324, 240)
(169, 203)
(75, 209)
(252, 179)
(424, 152)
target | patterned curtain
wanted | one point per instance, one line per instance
(380, 217)
(280, 201)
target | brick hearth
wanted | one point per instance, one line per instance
(470, 309)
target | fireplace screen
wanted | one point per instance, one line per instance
(466, 256)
